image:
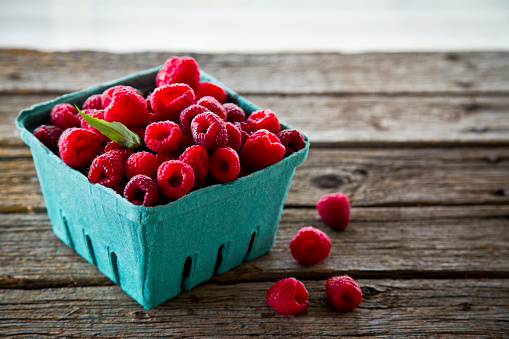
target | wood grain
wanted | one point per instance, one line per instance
(398, 309)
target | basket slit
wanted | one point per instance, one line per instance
(187, 268)
(251, 241)
(67, 231)
(114, 268)
(90, 249)
(219, 259)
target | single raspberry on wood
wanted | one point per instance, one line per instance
(214, 106)
(261, 150)
(48, 135)
(309, 246)
(198, 158)
(234, 113)
(293, 140)
(264, 119)
(108, 168)
(187, 116)
(288, 296)
(343, 293)
(224, 164)
(209, 89)
(93, 102)
(179, 70)
(64, 116)
(334, 209)
(175, 178)
(142, 190)
(79, 146)
(127, 107)
(141, 163)
(168, 101)
(209, 131)
(163, 136)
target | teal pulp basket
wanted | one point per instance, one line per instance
(153, 253)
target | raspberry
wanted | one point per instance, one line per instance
(187, 116)
(111, 145)
(64, 116)
(93, 102)
(245, 131)
(48, 135)
(99, 114)
(334, 209)
(78, 147)
(108, 168)
(179, 70)
(165, 156)
(209, 131)
(175, 178)
(169, 100)
(186, 141)
(127, 107)
(261, 149)
(142, 190)
(343, 293)
(141, 163)
(107, 94)
(234, 136)
(163, 136)
(292, 139)
(288, 296)
(214, 106)
(119, 189)
(264, 119)
(234, 113)
(309, 246)
(208, 89)
(224, 164)
(148, 99)
(198, 158)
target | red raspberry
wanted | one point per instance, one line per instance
(165, 156)
(213, 105)
(64, 116)
(169, 100)
(175, 178)
(179, 70)
(93, 102)
(111, 145)
(163, 136)
(107, 94)
(234, 113)
(108, 169)
(119, 189)
(309, 246)
(141, 163)
(343, 293)
(78, 147)
(148, 99)
(99, 114)
(187, 116)
(48, 135)
(224, 164)
(264, 119)
(142, 190)
(198, 158)
(234, 136)
(209, 131)
(262, 149)
(288, 296)
(127, 107)
(208, 89)
(292, 139)
(334, 209)
(245, 131)
(186, 141)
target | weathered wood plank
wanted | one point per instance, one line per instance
(23, 71)
(357, 120)
(404, 242)
(369, 176)
(423, 308)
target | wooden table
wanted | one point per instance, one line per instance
(419, 142)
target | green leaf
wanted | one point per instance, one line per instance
(115, 131)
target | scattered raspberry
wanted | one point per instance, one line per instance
(108, 169)
(142, 190)
(78, 147)
(64, 116)
(107, 94)
(224, 164)
(288, 296)
(163, 136)
(208, 89)
(198, 158)
(175, 178)
(179, 70)
(214, 106)
(292, 139)
(245, 131)
(234, 136)
(168, 101)
(141, 163)
(343, 293)
(264, 119)
(165, 156)
(187, 116)
(127, 107)
(48, 135)
(209, 131)
(261, 149)
(309, 246)
(93, 102)
(234, 113)
(334, 209)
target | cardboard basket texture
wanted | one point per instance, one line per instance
(154, 252)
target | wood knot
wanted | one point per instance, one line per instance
(464, 83)
(329, 180)
(492, 159)
(368, 291)
(466, 306)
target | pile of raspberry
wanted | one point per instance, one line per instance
(192, 137)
